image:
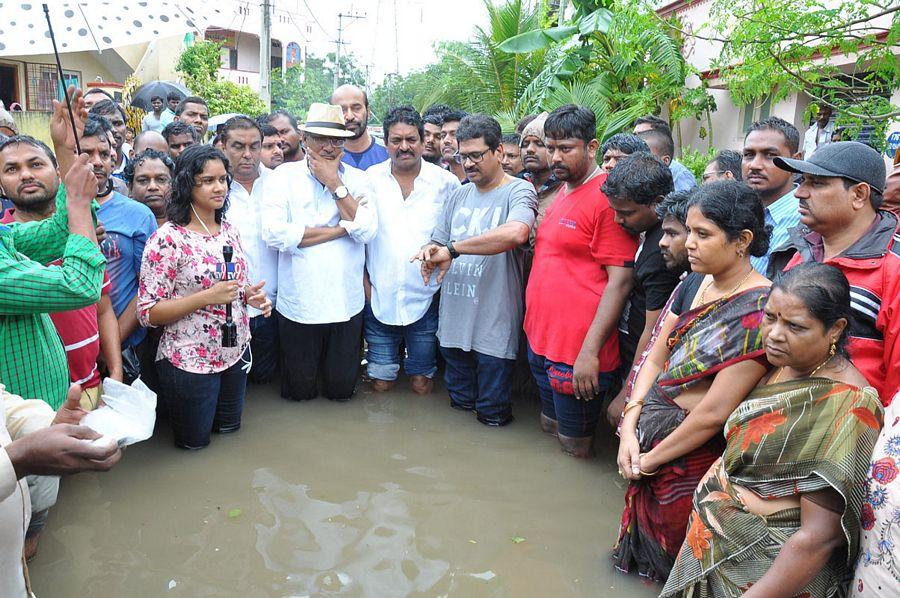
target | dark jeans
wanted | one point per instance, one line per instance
(576, 418)
(383, 341)
(480, 383)
(308, 350)
(264, 348)
(199, 404)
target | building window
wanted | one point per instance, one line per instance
(43, 85)
(756, 111)
(232, 59)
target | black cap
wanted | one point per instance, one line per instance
(846, 159)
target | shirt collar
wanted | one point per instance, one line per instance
(783, 207)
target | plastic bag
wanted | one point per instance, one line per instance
(128, 415)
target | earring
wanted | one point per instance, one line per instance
(833, 349)
(741, 253)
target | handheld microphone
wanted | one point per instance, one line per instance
(229, 328)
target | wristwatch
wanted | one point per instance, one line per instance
(340, 193)
(453, 252)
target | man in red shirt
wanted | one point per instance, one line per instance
(84, 332)
(579, 284)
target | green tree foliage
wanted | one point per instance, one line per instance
(299, 86)
(200, 64)
(782, 47)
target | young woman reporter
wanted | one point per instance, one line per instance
(202, 380)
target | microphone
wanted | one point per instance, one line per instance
(229, 328)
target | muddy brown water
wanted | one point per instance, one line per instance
(386, 495)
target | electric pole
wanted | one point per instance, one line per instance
(265, 53)
(340, 42)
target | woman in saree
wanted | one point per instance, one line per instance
(708, 358)
(779, 513)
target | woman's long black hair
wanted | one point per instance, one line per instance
(191, 163)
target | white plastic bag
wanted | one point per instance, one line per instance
(128, 415)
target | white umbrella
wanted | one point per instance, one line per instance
(97, 24)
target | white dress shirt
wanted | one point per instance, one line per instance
(321, 284)
(245, 213)
(399, 297)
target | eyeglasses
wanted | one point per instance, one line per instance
(473, 157)
(709, 175)
(332, 141)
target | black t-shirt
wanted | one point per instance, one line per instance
(653, 285)
(686, 293)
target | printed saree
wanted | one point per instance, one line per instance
(704, 341)
(786, 439)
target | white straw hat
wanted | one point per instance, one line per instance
(326, 120)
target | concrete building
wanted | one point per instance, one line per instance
(30, 83)
(730, 121)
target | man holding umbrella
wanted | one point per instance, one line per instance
(158, 118)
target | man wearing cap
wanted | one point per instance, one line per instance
(841, 225)
(320, 223)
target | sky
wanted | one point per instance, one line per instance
(377, 43)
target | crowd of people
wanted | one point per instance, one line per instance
(741, 335)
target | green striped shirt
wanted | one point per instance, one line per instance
(33, 359)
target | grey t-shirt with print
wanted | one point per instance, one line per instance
(482, 296)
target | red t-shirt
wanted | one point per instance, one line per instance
(79, 331)
(576, 239)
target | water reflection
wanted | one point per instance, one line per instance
(326, 548)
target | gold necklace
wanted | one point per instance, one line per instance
(729, 293)
(811, 374)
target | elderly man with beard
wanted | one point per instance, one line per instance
(478, 250)
(583, 255)
(242, 139)
(128, 225)
(411, 194)
(361, 150)
(320, 221)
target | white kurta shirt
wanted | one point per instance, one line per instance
(245, 214)
(321, 284)
(17, 418)
(399, 297)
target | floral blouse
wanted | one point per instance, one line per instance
(179, 262)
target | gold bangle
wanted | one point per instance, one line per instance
(648, 475)
(631, 404)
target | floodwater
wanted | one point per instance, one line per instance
(386, 495)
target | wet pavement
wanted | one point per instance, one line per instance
(386, 495)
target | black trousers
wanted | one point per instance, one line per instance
(313, 351)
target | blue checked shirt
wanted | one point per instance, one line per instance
(782, 215)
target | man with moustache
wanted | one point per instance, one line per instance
(128, 225)
(635, 188)
(672, 212)
(411, 194)
(179, 136)
(842, 224)
(766, 140)
(242, 140)
(194, 111)
(362, 150)
(271, 155)
(433, 118)
(583, 255)
(286, 125)
(449, 144)
(149, 176)
(118, 120)
(478, 251)
(320, 220)
(512, 155)
(34, 363)
(536, 161)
